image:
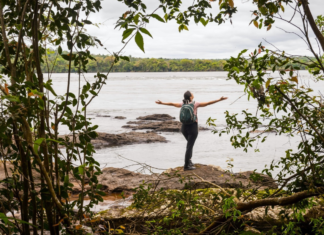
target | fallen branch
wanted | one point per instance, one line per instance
(282, 201)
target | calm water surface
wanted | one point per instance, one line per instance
(134, 94)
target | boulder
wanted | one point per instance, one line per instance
(120, 117)
(117, 180)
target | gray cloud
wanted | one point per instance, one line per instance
(212, 41)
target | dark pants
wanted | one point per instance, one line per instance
(190, 132)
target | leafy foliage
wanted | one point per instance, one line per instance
(40, 165)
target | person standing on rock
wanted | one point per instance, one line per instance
(188, 117)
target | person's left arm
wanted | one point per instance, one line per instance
(204, 104)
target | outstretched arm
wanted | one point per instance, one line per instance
(178, 105)
(204, 104)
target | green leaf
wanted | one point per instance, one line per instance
(11, 98)
(159, 18)
(182, 27)
(66, 180)
(242, 52)
(37, 144)
(136, 19)
(139, 41)
(125, 58)
(127, 33)
(268, 82)
(59, 50)
(41, 104)
(93, 92)
(4, 218)
(68, 111)
(18, 26)
(143, 30)
(36, 92)
(87, 22)
(81, 169)
(166, 17)
(236, 69)
(48, 86)
(65, 57)
(54, 141)
(203, 21)
(314, 65)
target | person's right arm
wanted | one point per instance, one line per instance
(178, 105)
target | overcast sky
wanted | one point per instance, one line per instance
(211, 42)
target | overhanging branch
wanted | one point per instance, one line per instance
(312, 23)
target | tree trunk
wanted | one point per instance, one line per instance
(24, 168)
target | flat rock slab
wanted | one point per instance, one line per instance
(120, 117)
(108, 140)
(117, 180)
(157, 117)
(157, 123)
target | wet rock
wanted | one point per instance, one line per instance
(120, 117)
(156, 117)
(158, 126)
(103, 115)
(108, 140)
(117, 180)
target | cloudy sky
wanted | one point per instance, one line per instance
(211, 42)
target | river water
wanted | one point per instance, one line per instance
(134, 94)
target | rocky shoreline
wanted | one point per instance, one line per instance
(122, 180)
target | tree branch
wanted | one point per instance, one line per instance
(4, 37)
(312, 23)
(20, 32)
(282, 201)
(300, 114)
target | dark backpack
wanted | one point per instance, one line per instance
(187, 115)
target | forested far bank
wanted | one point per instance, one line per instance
(54, 62)
(102, 63)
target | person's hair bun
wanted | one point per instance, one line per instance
(187, 96)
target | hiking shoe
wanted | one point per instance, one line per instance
(191, 164)
(189, 168)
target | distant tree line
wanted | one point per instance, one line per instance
(102, 63)
(53, 62)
